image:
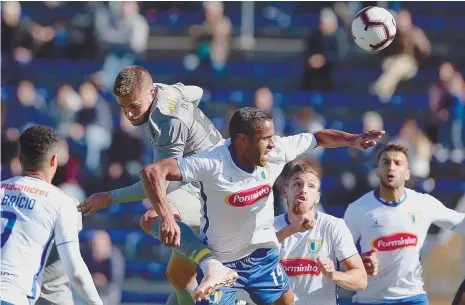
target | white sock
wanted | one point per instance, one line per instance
(191, 287)
(208, 264)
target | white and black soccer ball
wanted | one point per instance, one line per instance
(373, 28)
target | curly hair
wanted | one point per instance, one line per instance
(131, 80)
(36, 144)
(247, 120)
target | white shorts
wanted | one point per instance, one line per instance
(14, 297)
(187, 200)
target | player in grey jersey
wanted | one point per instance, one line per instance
(176, 128)
(56, 288)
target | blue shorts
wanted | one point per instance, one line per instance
(260, 274)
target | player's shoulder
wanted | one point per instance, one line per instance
(172, 103)
(329, 221)
(416, 197)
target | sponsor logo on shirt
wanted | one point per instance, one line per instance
(314, 245)
(300, 267)
(395, 241)
(249, 197)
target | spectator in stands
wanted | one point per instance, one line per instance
(447, 114)
(63, 109)
(440, 100)
(264, 100)
(457, 120)
(96, 121)
(11, 26)
(307, 120)
(420, 148)
(123, 34)
(106, 265)
(402, 57)
(212, 39)
(325, 48)
(360, 176)
(131, 160)
(29, 108)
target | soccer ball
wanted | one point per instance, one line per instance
(373, 28)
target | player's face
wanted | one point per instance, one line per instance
(392, 169)
(302, 192)
(136, 107)
(262, 144)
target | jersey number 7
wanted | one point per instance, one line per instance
(11, 219)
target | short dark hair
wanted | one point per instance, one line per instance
(301, 168)
(36, 144)
(393, 147)
(131, 79)
(246, 121)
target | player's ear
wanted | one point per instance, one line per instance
(284, 191)
(54, 160)
(317, 198)
(407, 175)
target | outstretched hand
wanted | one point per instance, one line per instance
(368, 139)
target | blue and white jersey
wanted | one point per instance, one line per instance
(238, 213)
(397, 230)
(33, 214)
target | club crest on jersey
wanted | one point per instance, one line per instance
(395, 241)
(264, 173)
(170, 106)
(413, 217)
(314, 245)
(300, 267)
(216, 297)
(249, 197)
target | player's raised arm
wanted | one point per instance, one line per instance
(331, 138)
(67, 242)
(170, 144)
(154, 177)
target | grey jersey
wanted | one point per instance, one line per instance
(56, 289)
(177, 127)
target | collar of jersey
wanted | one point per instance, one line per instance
(389, 204)
(236, 162)
(286, 217)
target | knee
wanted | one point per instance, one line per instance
(149, 217)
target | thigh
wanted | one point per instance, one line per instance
(267, 281)
(187, 200)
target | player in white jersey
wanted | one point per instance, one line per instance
(34, 215)
(176, 127)
(394, 220)
(314, 243)
(236, 184)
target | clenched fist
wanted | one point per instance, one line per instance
(327, 267)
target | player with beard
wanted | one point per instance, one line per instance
(236, 183)
(314, 243)
(394, 220)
